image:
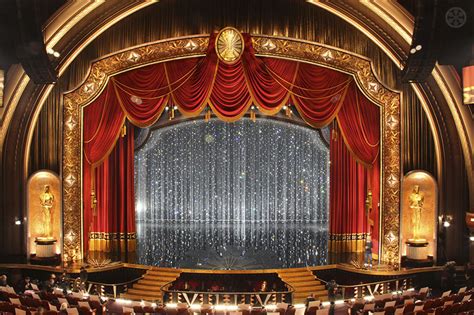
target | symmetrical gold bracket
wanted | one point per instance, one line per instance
(196, 46)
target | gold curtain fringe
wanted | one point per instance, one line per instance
(347, 243)
(110, 242)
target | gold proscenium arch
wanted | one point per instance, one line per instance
(195, 46)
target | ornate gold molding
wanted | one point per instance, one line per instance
(135, 57)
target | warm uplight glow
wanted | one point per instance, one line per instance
(369, 298)
(123, 301)
(300, 306)
(171, 305)
(468, 85)
(195, 307)
(471, 238)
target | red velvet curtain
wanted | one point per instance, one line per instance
(348, 186)
(113, 223)
(319, 94)
(355, 146)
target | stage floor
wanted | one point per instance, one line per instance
(234, 246)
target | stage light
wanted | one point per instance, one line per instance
(413, 50)
(18, 222)
(471, 238)
(446, 220)
(56, 54)
(171, 305)
(418, 47)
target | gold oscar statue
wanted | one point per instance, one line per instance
(47, 201)
(416, 200)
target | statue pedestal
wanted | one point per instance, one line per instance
(45, 247)
(417, 249)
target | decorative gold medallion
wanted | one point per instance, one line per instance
(229, 45)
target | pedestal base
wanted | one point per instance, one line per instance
(410, 263)
(45, 247)
(50, 261)
(417, 249)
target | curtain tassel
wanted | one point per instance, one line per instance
(334, 133)
(207, 117)
(253, 116)
(93, 203)
(171, 112)
(123, 131)
(288, 111)
(368, 201)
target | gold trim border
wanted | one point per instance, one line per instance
(192, 46)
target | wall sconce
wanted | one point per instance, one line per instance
(445, 220)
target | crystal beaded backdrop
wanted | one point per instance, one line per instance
(232, 195)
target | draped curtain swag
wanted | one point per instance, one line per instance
(320, 95)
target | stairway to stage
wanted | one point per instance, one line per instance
(304, 283)
(148, 288)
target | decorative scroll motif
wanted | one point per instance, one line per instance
(194, 46)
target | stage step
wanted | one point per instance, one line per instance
(149, 287)
(160, 278)
(162, 273)
(304, 283)
(153, 282)
(298, 278)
